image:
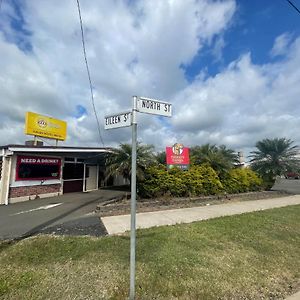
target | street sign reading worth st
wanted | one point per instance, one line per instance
(155, 107)
(118, 120)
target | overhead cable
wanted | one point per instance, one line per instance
(88, 72)
(293, 5)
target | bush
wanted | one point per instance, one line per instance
(199, 180)
(241, 181)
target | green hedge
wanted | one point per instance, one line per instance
(241, 181)
(197, 181)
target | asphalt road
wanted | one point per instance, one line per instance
(288, 185)
(66, 214)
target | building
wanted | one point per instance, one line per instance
(30, 172)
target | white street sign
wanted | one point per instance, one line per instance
(118, 120)
(143, 105)
(155, 107)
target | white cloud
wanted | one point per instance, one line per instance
(281, 44)
(138, 47)
(133, 48)
(242, 104)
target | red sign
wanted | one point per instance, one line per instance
(37, 168)
(177, 155)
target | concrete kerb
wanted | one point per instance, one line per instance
(113, 200)
(120, 207)
(295, 296)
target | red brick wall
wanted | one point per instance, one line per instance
(22, 191)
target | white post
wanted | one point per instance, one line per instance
(9, 159)
(133, 201)
(84, 179)
(97, 177)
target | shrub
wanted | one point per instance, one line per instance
(199, 180)
(241, 180)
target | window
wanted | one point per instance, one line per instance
(37, 168)
(73, 171)
(69, 159)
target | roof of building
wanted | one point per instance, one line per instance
(90, 153)
(29, 148)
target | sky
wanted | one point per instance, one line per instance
(229, 68)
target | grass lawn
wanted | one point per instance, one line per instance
(251, 256)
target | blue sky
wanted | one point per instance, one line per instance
(254, 28)
(230, 68)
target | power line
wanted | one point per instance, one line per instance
(293, 5)
(88, 72)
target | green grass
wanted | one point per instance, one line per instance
(251, 256)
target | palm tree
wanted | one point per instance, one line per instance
(221, 159)
(274, 157)
(161, 157)
(230, 155)
(119, 162)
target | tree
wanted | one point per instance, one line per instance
(274, 157)
(119, 162)
(221, 159)
(161, 157)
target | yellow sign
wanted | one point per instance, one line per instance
(47, 127)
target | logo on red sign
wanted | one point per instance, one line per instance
(177, 155)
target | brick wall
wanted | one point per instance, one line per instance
(22, 191)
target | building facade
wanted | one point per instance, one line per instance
(32, 172)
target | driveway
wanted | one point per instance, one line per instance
(69, 213)
(288, 185)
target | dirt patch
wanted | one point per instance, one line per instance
(121, 206)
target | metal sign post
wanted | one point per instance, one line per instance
(143, 105)
(133, 201)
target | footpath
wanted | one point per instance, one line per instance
(121, 223)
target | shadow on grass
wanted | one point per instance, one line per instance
(6, 244)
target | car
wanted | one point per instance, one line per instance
(292, 175)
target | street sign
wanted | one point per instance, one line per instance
(153, 106)
(118, 120)
(148, 106)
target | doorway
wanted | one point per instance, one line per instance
(91, 178)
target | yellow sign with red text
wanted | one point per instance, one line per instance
(43, 126)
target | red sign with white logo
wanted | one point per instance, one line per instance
(177, 155)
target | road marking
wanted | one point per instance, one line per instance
(38, 208)
(90, 214)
